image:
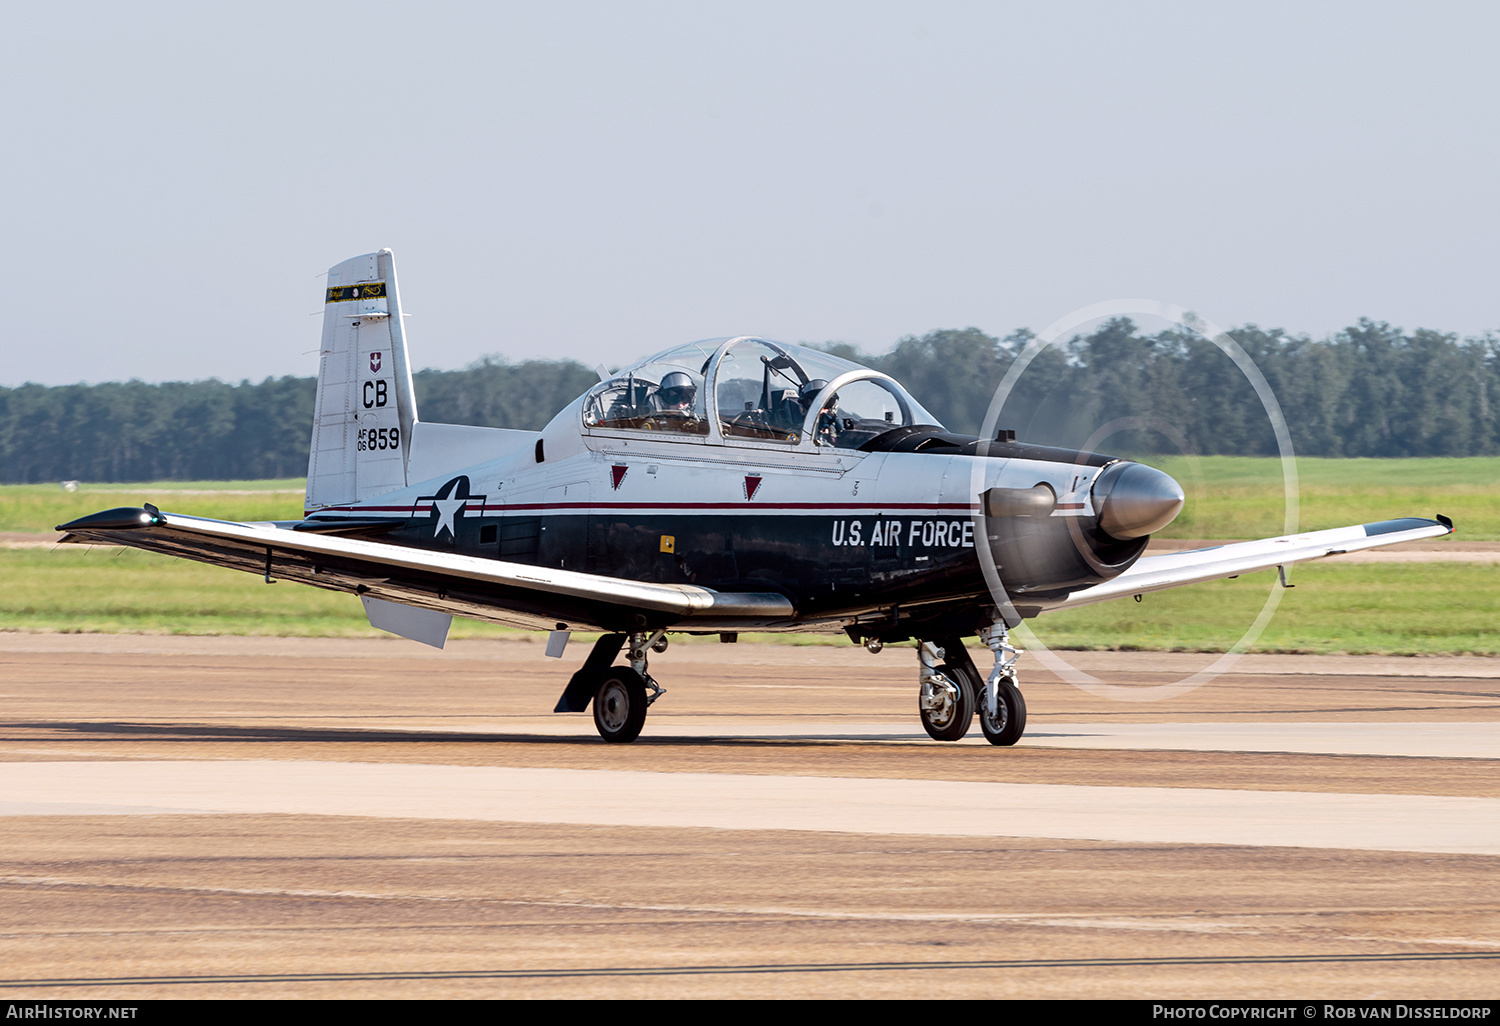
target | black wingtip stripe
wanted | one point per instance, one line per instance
(1393, 526)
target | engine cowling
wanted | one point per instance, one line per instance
(1040, 554)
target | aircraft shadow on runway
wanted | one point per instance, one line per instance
(97, 731)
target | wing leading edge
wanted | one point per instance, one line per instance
(515, 594)
(1169, 570)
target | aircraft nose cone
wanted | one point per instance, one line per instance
(1133, 500)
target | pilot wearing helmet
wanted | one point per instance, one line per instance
(677, 394)
(827, 429)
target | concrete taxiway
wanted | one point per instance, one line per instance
(285, 817)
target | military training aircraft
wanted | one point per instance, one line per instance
(722, 486)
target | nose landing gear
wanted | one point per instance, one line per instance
(1002, 710)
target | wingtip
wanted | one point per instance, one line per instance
(1446, 523)
(121, 518)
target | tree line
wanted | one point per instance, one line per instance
(1369, 390)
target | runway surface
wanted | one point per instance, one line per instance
(725, 801)
(330, 818)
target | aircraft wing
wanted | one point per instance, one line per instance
(1171, 569)
(515, 594)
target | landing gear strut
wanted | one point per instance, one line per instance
(1002, 710)
(625, 692)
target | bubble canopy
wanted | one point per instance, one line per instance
(751, 391)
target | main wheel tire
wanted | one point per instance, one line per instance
(1009, 722)
(950, 716)
(620, 705)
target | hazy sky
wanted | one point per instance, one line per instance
(598, 181)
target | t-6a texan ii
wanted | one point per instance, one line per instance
(722, 486)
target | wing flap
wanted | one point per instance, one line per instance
(517, 594)
(1173, 569)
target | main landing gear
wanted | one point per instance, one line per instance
(625, 692)
(620, 694)
(951, 690)
(946, 701)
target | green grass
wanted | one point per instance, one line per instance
(1385, 608)
(1242, 496)
(124, 591)
(1395, 609)
(40, 508)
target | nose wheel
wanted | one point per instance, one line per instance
(1007, 723)
(1002, 710)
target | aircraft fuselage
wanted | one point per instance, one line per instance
(884, 538)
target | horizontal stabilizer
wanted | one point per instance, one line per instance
(442, 450)
(341, 525)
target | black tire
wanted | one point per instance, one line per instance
(952, 721)
(620, 705)
(1010, 721)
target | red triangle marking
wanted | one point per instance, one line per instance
(752, 485)
(617, 473)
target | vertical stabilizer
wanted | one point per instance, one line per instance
(362, 424)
